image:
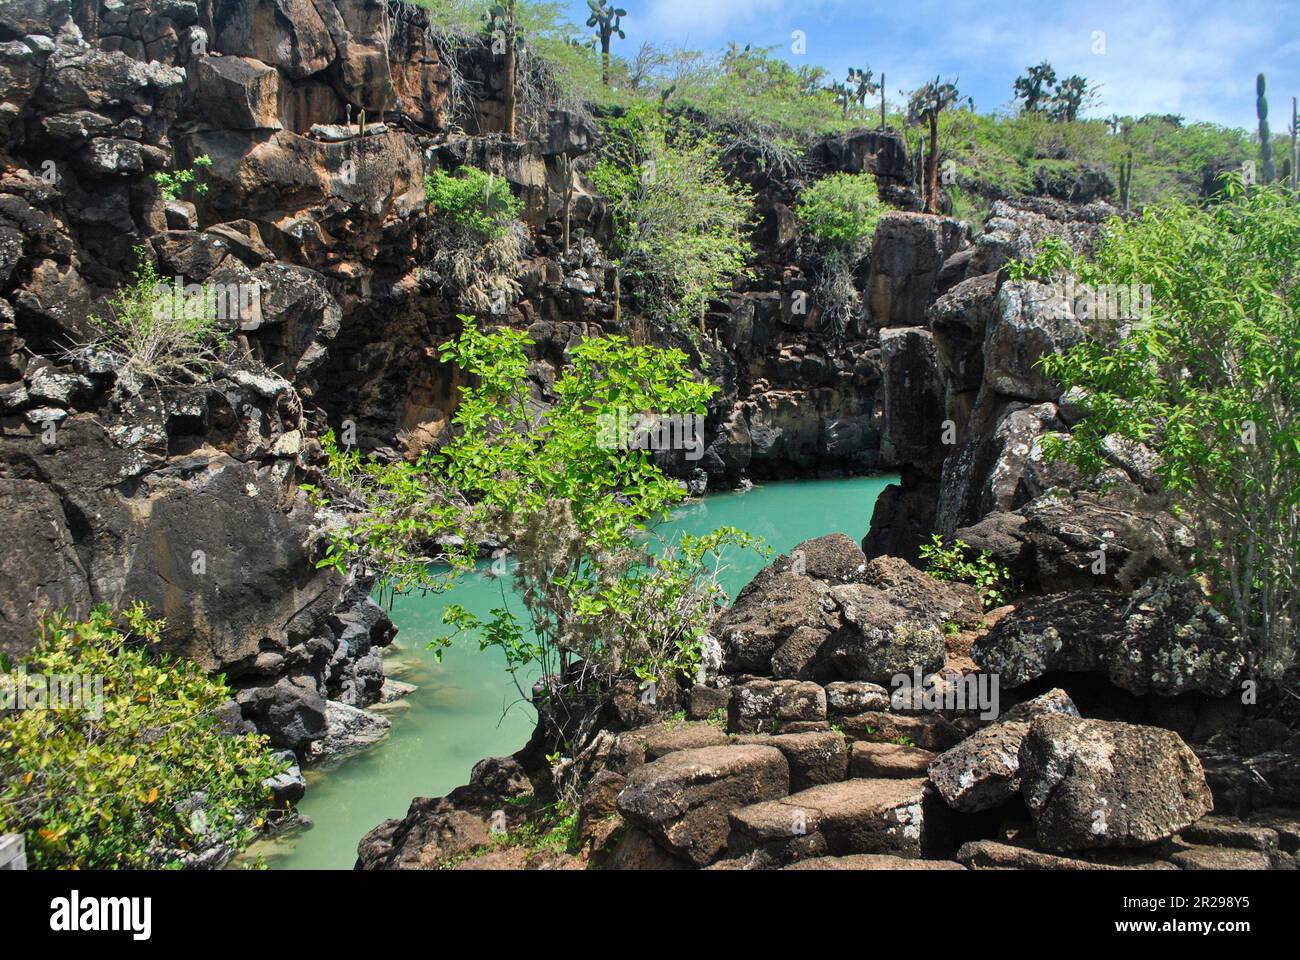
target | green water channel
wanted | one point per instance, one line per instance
(465, 707)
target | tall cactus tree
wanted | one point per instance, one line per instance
(860, 83)
(924, 107)
(608, 21)
(1267, 171)
(1035, 87)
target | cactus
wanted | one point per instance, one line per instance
(608, 21)
(923, 109)
(1125, 179)
(1267, 171)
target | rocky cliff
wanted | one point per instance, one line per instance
(319, 120)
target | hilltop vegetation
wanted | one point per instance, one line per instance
(754, 102)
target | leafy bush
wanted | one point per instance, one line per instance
(1210, 381)
(477, 247)
(173, 183)
(603, 602)
(990, 578)
(840, 212)
(681, 227)
(146, 782)
(473, 199)
(153, 333)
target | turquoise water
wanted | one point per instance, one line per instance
(467, 708)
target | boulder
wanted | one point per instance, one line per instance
(907, 255)
(1015, 227)
(983, 771)
(873, 861)
(1164, 638)
(645, 744)
(814, 757)
(767, 705)
(996, 855)
(766, 612)
(1090, 784)
(432, 831)
(287, 34)
(1051, 543)
(958, 320)
(289, 709)
(929, 731)
(1000, 465)
(882, 640)
(235, 93)
(900, 817)
(1030, 322)
(682, 800)
(888, 761)
(348, 729)
(846, 697)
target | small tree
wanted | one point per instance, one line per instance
(861, 85)
(1070, 96)
(602, 603)
(680, 224)
(924, 108)
(608, 21)
(1209, 381)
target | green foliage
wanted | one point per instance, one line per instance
(680, 225)
(154, 333)
(949, 562)
(600, 596)
(173, 183)
(841, 210)
(474, 200)
(116, 791)
(1210, 382)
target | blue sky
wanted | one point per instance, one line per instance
(1192, 57)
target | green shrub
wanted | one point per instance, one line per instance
(474, 200)
(150, 779)
(990, 578)
(681, 227)
(1208, 380)
(841, 210)
(173, 183)
(153, 333)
